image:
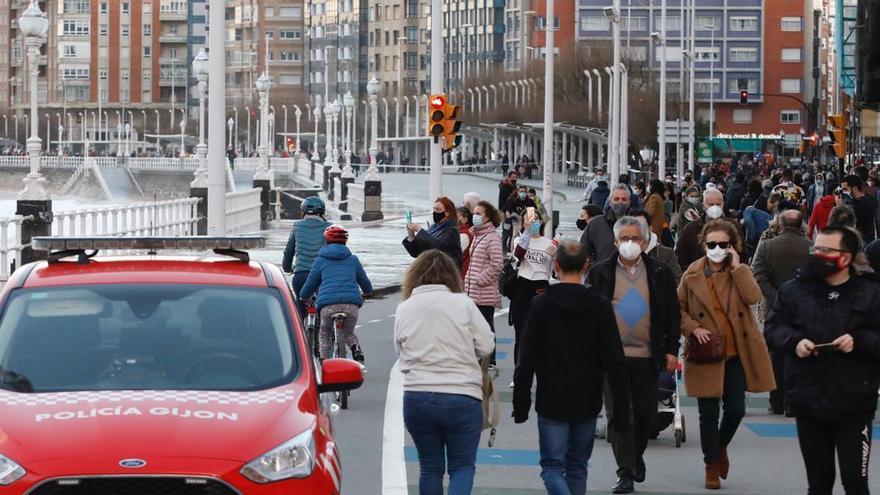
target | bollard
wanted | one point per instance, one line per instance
(201, 209)
(265, 199)
(343, 196)
(39, 226)
(372, 201)
(333, 177)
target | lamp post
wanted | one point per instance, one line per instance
(589, 93)
(599, 94)
(284, 107)
(230, 124)
(712, 87)
(263, 84)
(298, 115)
(247, 110)
(317, 113)
(270, 142)
(173, 87)
(335, 111)
(372, 184)
(201, 66)
(182, 132)
(34, 25)
(549, 162)
(33, 200)
(348, 103)
(614, 14)
(660, 39)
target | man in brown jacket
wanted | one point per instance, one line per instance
(776, 262)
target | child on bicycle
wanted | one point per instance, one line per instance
(338, 277)
(306, 239)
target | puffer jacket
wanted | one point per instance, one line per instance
(306, 238)
(336, 276)
(481, 282)
(830, 385)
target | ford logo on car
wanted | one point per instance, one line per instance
(132, 463)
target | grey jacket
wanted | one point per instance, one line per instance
(666, 255)
(777, 261)
(598, 237)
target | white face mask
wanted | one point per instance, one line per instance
(652, 243)
(630, 250)
(714, 212)
(717, 255)
(477, 220)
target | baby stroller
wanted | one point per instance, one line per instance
(668, 406)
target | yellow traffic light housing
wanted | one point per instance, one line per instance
(443, 121)
(451, 126)
(838, 134)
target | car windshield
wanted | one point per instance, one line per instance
(145, 337)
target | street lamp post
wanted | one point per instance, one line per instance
(263, 84)
(660, 38)
(298, 115)
(589, 93)
(230, 124)
(372, 183)
(201, 67)
(317, 113)
(348, 103)
(549, 162)
(182, 133)
(284, 107)
(33, 200)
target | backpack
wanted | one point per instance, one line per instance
(491, 406)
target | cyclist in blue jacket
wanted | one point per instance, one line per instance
(306, 239)
(338, 277)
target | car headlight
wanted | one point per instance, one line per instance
(10, 472)
(292, 459)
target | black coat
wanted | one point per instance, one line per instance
(665, 314)
(571, 343)
(443, 236)
(831, 385)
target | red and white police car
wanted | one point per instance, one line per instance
(161, 373)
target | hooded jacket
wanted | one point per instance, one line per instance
(665, 314)
(599, 195)
(571, 342)
(443, 236)
(831, 385)
(821, 213)
(336, 276)
(306, 238)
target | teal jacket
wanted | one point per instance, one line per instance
(306, 239)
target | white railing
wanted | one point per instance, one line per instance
(319, 173)
(163, 163)
(243, 211)
(304, 167)
(96, 172)
(77, 173)
(230, 177)
(14, 162)
(356, 199)
(246, 163)
(174, 217)
(10, 243)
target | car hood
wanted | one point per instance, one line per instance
(139, 424)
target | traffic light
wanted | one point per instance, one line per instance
(451, 126)
(838, 134)
(743, 97)
(443, 121)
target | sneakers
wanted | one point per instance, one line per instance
(357, 354)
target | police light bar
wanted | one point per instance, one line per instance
(181, 243)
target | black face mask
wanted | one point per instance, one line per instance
(581, 224)
(439, 216)
(823, 266)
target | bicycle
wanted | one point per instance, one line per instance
(340, 350)
(311, 323)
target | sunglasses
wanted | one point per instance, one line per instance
(721, 244)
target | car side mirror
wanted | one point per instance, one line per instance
(338, 375)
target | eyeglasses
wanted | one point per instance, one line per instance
(637, 239)
(824, 250)
(721, 244)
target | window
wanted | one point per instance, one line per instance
(704, 86)
(743, 23)
(123, 30)
(790, 117)
(412, 34)
(707, 53)
(631, 23)
(104, 7)
(148, 29)
(673, 22)
(76, 6)
(148, 52)
(81, 73)
(102, 30)
(289, 34)
(635, 52)
(708, 23)
(790, 86)
(125, 7)
(290, 79)
(742, 116)
(743, 54)
(412, 8)
(290, 11)
(102, 73)
(124, 74)
(595, 23)
(270, 35)
(794, 24)
(290, 56)
(69, 51)
(744, 84)
(147, 74)
(791, 54)
(411, 61)
(75, 28)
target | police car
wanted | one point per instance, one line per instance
(161, 373)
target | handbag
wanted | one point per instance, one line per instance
(713, 351)
(491, 404)
(507, 280)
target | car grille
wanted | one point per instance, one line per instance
(134, 486)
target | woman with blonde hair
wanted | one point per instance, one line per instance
(725, 352)
(439, 334)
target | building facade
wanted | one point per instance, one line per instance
(473, 39)
(398, 46)
(757, 46)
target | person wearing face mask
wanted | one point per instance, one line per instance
(691, 208)
(594, 183)
(598, 237)
(864, 205)
(442, 234)
(514, 210)
(465, 236)
(658, 251)
(715, 296)
(588, 212)
(486, 258)
(816, 192)
(827, 323)
(642, 290)
(688, 249)
(654, 207)
(535, 255)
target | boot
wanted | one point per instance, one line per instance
(723, 464)
(712, 481)
(357, 354)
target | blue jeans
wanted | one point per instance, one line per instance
(446, 430)
(565, 452)
(298, 281)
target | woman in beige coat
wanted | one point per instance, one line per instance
(715, 294)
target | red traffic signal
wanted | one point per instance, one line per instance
(437, 101)
(743, 97)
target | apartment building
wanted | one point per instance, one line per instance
(473, 39)
(398, 46)
(337, 49)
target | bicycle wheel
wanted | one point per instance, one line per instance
(342, 352)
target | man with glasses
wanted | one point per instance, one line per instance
(642, 290)
(827, 322)
(776, 262)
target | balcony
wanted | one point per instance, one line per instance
(173, 38)
(172, 14)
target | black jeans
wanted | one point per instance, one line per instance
(520, 305)
(488, 313)
(777, 397)
(713, 437)
(819, 438)
(629, 447)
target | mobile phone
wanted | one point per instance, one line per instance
(828, 344)
(408, 216)
(531, 215)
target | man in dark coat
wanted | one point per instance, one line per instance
(598, 238)
(827, 323)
